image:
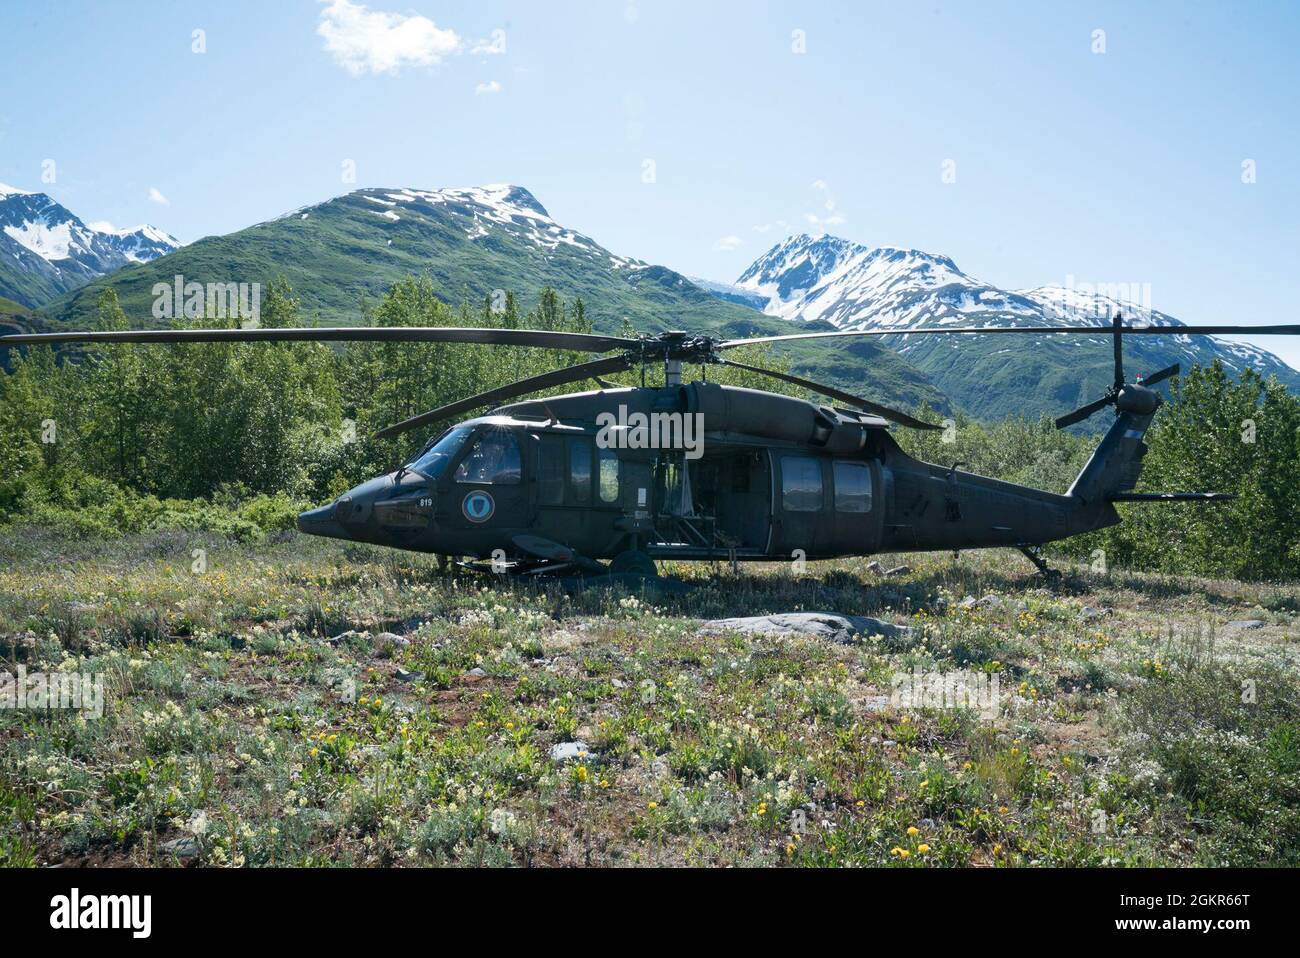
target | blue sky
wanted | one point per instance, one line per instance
(1115, 167)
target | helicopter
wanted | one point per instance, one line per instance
(617, 478)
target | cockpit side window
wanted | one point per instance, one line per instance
(433, 461)
(493, 460)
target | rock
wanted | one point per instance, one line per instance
(875, 568)
(618, 683)
(343, 637)
(386, 643)
(404, 676)
(968, 603)
(1088, 613)
(477, 672)
(827, 625)
(898, 570)
(180, 848)
(568, 751)
(991, 601)
(1247, 624)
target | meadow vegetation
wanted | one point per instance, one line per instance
(304, 702)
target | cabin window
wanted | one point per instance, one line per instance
(801, 484)
(550, 475)
(608, 475)
(580, 469)
(493, 460)
(852, 487)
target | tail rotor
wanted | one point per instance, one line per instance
(1118, 387)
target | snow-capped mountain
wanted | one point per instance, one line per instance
(45, 249)
(495, 210)
(851, 286)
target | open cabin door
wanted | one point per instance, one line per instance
(712, 506)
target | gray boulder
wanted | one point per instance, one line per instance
(827, 625)
(389, 643)
(182, 848)
(568, 751)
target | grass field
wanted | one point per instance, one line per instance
(254, 715)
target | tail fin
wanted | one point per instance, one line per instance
(1114, 468)
(1117, 463)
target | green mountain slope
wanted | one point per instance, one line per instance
(1034, 375)
(343, 253)
(28, 278)
(14, 314)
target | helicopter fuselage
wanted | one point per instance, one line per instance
(705, 472)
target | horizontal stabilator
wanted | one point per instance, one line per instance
(1172, 496)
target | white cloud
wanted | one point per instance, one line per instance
(157, 197)
(102, 226)
(832, 215)
(365, 41)
(494, 47)
(728, 243)
(492, 86)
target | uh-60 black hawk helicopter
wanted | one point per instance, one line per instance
(699, 470)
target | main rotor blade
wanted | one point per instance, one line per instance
(1083, 412)
(582, 342)
(1162, 375)
(884, 412)
(494, 397)
(1283, 330)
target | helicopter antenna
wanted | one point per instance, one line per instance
(1118, 325)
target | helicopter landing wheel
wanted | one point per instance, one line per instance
(634, 562)
(1035, 555)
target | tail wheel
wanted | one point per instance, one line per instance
(634, 562)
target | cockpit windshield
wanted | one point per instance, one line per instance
(433, 461)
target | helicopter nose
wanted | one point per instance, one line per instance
(321, 522)
(348, 515)
(354, 509)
